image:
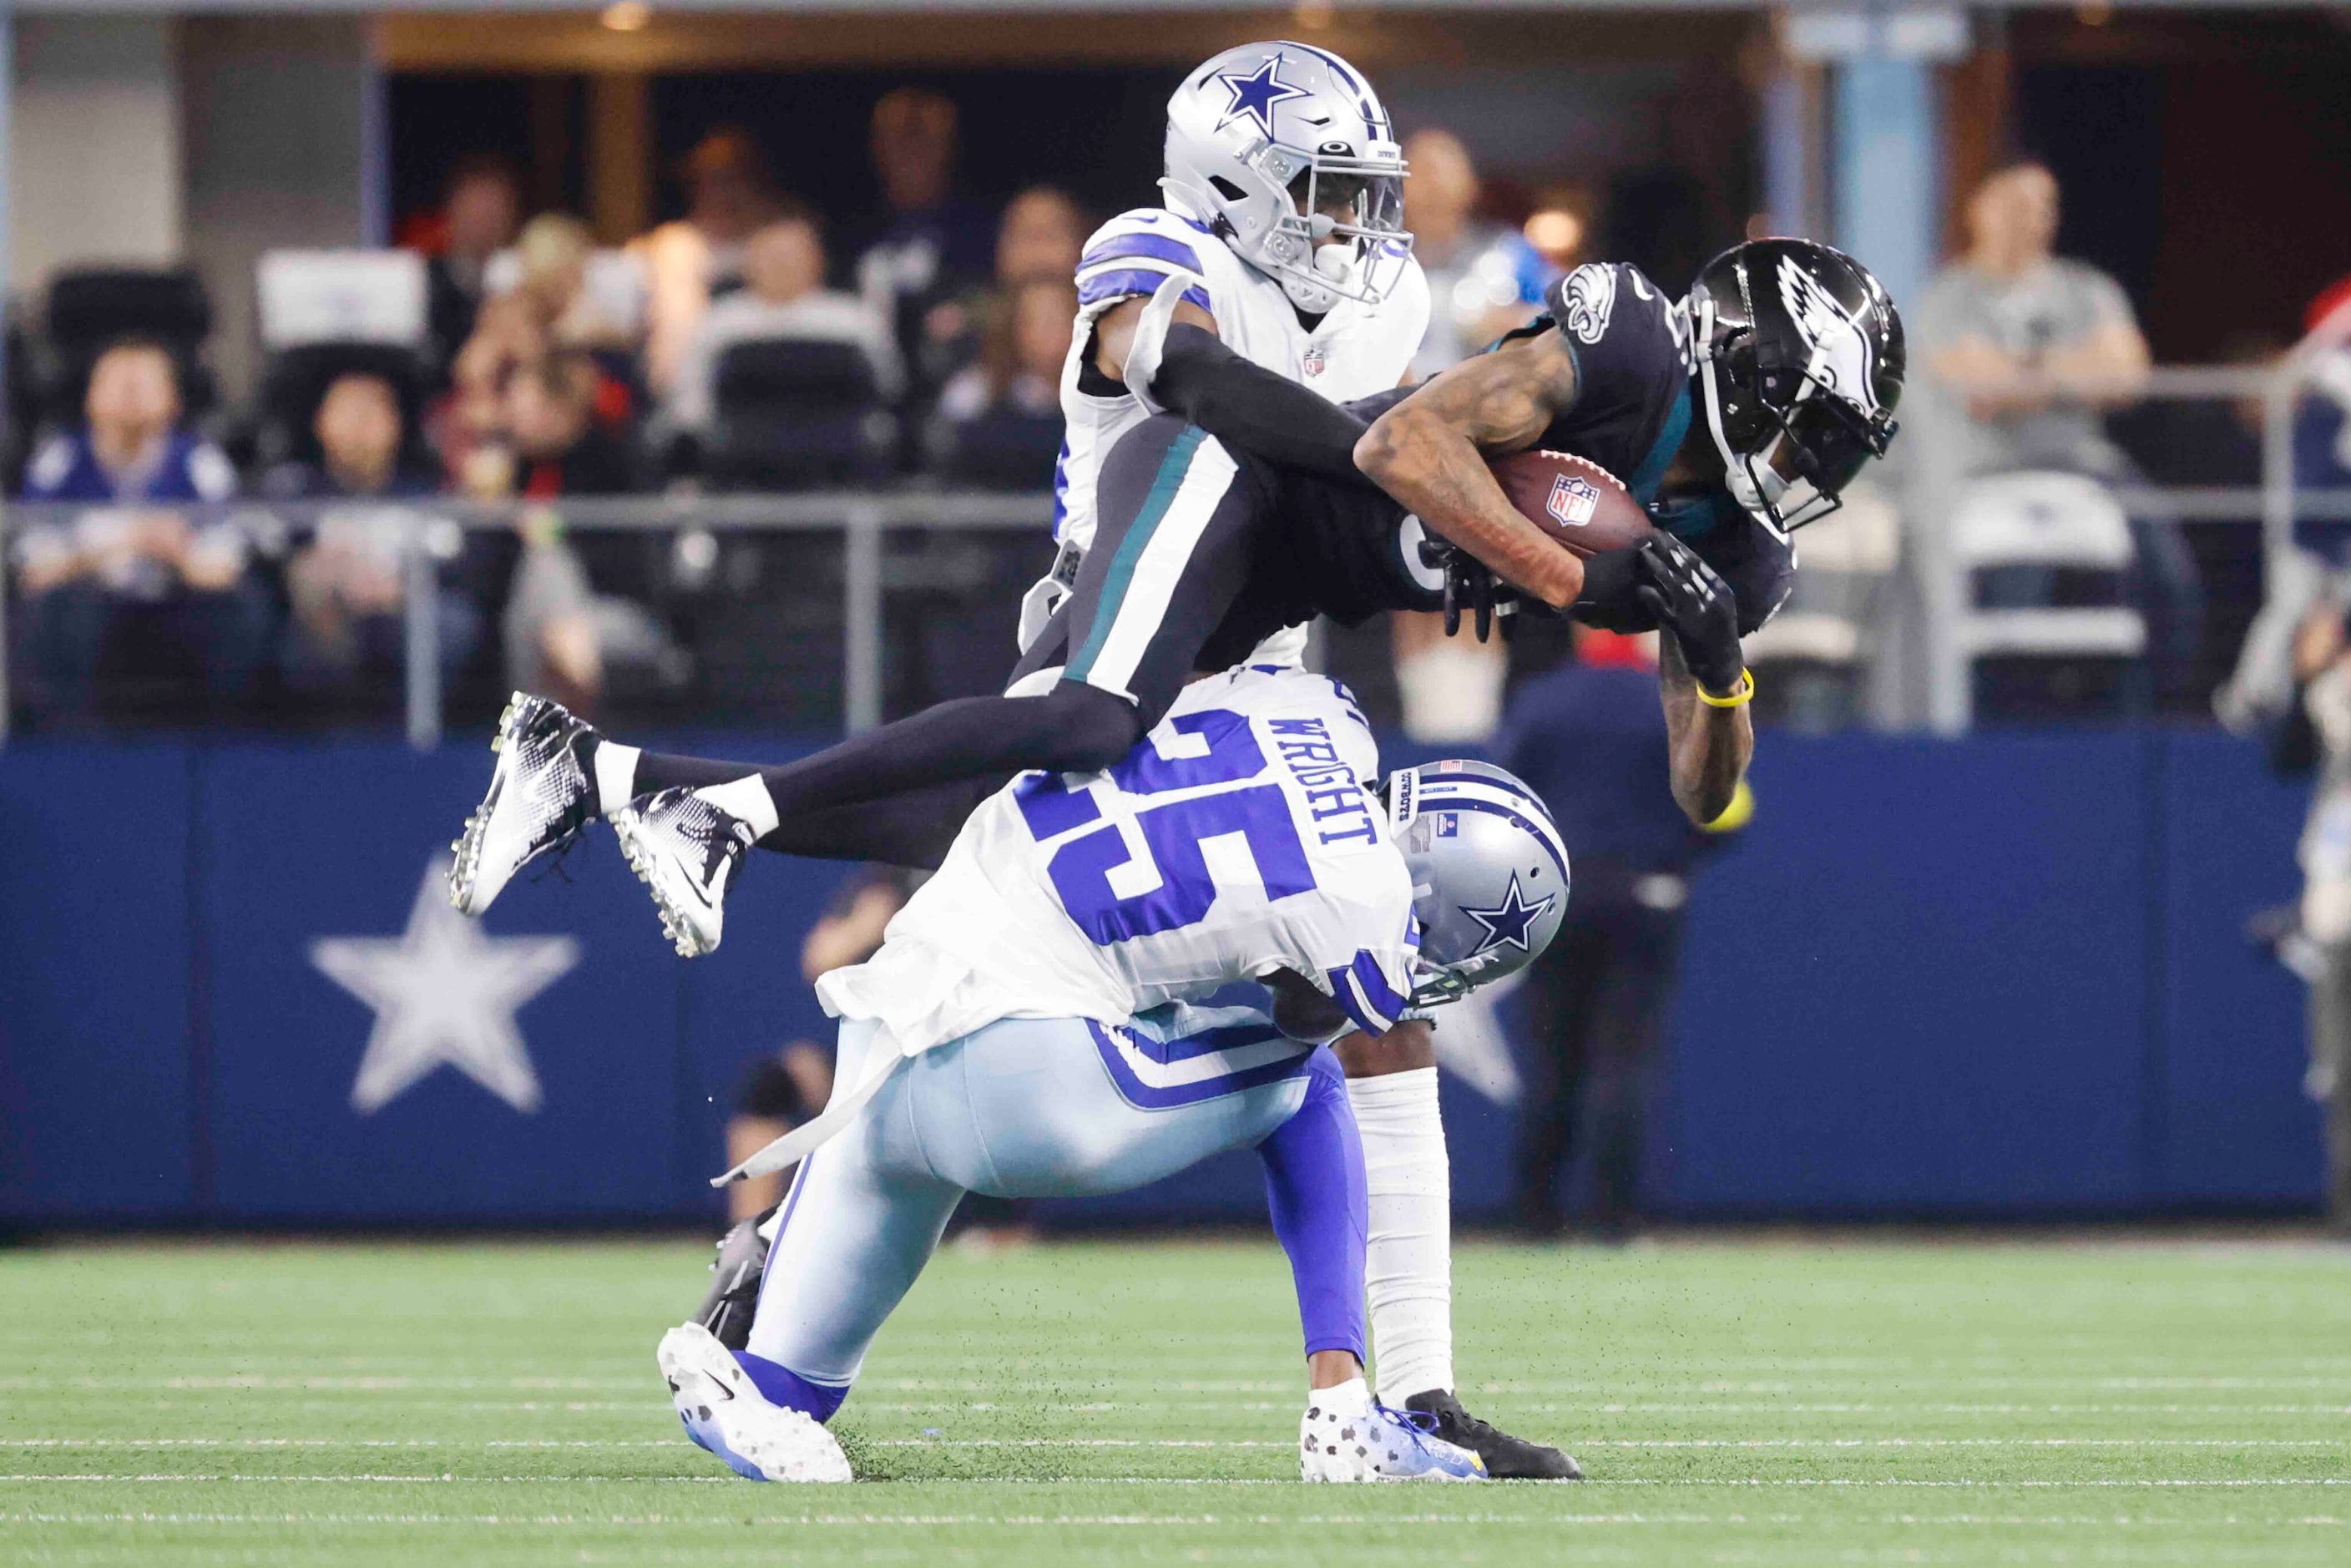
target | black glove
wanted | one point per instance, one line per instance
(1469, 581)
(1609, 600)
(1693, 604)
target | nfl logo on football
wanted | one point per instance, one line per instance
(1573, 500)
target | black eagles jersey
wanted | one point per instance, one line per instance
(1350, 551)
(1631, 348)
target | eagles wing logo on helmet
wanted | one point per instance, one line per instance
(1841, 349)
(1590, 297)
(1255, 93)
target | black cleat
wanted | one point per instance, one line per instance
(1508, 1459)
(735, 1273)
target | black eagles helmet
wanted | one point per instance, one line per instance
(1799, 364)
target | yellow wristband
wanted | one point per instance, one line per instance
(1739, 698)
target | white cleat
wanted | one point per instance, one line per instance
(725, 1412)
(685, 851)
(1346, 1436)
(539, 799)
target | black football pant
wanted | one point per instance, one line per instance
(1171, 552)
(1598, 999)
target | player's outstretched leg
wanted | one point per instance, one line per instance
(685, 846)
(1348, 1436)
(725, 1412)
(540, 797)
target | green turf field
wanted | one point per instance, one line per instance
(1772, 1402)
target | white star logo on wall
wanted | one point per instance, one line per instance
(443, 992)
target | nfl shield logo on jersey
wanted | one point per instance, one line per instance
(1573, 500)
(1315, 359)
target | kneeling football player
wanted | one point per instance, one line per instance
(1030, 1030)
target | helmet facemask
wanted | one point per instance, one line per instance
(1790, 441)
(1338, 230)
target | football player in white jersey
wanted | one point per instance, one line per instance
(1278, 278)
(1055, 1013)
(1278, 268)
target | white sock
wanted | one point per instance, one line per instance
(1352, 1397)
(747, 798)
(1409, 1272)
(616, 775)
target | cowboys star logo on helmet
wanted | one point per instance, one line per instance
(1255, 93)
(1840, 347)
(1507, 921)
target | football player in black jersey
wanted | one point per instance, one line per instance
(1741, 413)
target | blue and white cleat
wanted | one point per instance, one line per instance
(540, 799)
(725, 1412)
(1346, 1436)
(685, 851)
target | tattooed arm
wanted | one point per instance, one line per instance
(1428, 453)
(1711, 746)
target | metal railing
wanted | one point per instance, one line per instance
(864, 519)
(2275, 504)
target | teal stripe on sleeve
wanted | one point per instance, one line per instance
(1169, 479)
(1644, 481)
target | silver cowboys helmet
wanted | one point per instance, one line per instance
(1488, 873)
(1284, 151)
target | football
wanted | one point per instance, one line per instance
(1572, 499)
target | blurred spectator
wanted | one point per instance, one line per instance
(478, 217)
(1589, 739)
(927, 245)
(2322, 429)
(471, 419)
(556, 444)
(2317, 732)
(999, 421)
(134, 562)
(554, 250)
(364, 452)
(784, 1090)
(1041, 236)
(783, 297)
(2029, 350)
(563, 635)
(692, 260)
(346, 589)
(1484, 278)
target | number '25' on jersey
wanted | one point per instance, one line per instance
(1237, 839)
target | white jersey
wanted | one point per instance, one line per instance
(1238, 838)
(1352, 352)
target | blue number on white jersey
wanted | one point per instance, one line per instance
(1172, 834)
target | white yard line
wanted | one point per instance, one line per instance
(1094, 1442)
(673, 1522)
(2247, 1483)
